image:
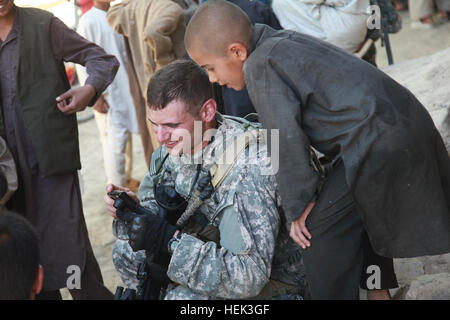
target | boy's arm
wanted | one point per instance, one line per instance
(279, 107)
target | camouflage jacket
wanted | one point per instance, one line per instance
(245, 208)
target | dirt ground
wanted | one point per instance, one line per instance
(407, 44)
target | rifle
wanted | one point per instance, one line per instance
(390, 23)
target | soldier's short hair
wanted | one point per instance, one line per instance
(181, 80)
(19, 256)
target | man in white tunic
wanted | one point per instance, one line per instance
(114, 110)
(340, 22)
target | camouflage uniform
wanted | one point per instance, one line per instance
(246, 210)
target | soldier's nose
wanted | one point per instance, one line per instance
(162, 135)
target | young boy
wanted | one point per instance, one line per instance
(394, 166)
(22, 274)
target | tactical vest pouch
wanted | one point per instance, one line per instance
(205, 232)
(276, 290)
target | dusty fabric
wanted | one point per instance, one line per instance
(154, 32)
(147, 139)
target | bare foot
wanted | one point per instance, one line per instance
(427, 20)
(378, 295)
(424, 23)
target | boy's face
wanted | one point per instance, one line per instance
(5, 7)
(226, 70)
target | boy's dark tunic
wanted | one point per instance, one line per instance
(395, 161)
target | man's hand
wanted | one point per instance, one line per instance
(110, 202)
(298, 232)
(75, 99)
(101, 105)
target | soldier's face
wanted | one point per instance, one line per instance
(174, 127)
(225, 70)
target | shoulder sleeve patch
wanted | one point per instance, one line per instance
(230, 225)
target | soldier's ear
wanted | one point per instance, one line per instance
(208, 110)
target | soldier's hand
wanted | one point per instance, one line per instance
(75, 99)
(150, 232)
(299, 233)
(110, 202)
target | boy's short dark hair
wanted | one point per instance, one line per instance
(181, 80)
(19, 256)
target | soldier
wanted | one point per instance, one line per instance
(227, 247)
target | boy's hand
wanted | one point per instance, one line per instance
(299, 232)
(75, 99)
(110, 202)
